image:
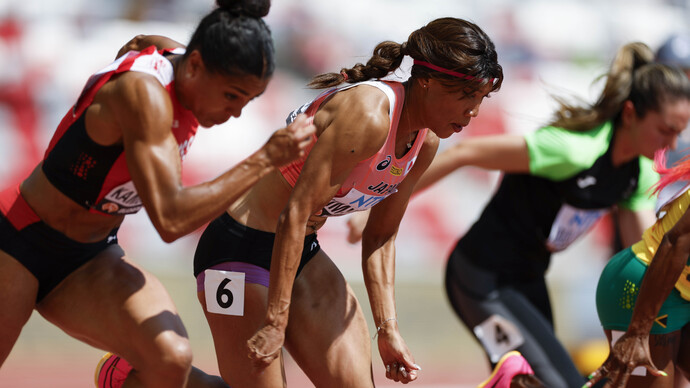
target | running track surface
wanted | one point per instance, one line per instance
(46, 357)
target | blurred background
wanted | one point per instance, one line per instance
(48, 49)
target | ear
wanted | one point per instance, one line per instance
(195, 65)
(423, 83)
(628, 113)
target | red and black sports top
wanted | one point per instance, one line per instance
(96, 176)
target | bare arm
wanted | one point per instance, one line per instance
(141, 42)
(352, 131)
(632, 348)
(378, 265)
(142, 111)
(631, 224)
(500, 152)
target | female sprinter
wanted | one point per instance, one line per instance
(373, 141)
(643, 297)
(119, 149)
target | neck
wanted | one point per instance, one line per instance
(623, 147)
(176, 60)
(180, 84)
(410, 119)
(408, 124)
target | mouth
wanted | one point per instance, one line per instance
(456, 127)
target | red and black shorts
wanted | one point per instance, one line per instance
(47, 253)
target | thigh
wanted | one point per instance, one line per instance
(230, 335)
(504, 320)
(327, 333)
(18, 288)
(683, 360)
(113, 304)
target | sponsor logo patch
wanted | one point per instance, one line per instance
(384, 163)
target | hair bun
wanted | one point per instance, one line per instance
(254, 8)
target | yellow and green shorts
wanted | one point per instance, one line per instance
(617, 291)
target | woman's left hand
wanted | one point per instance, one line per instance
(265, 346)
(397, 359)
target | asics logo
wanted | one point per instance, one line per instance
(586, 181)
(383, 164)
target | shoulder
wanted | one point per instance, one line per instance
(358, 117)
(648, 175)
(134, 99)
(561, 148)
(138, 90)
(368, 101)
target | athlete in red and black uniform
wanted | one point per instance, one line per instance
(120, 149)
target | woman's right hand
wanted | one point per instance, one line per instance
(290, 143)
(265, 346)
(396, 357)
(628, 353)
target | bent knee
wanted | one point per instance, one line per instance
(176, 354)
(170, 360)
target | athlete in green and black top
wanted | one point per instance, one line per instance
(571, 183)
(558, 181)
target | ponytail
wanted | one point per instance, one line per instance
(387, 57)
(621, 85)
(449, 43)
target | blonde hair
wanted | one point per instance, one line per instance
(632, 76)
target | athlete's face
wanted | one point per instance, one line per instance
(213, 98)
(226, 96)
(448, 112)
(658, 130)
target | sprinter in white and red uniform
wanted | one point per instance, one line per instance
(119, 149)
(261, 261)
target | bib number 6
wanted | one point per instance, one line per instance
(224, 292)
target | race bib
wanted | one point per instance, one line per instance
(123, 199)
(668, 195)
(498, 336)
(224, 292)
(354, 201)
(571, 223)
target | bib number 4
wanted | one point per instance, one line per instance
(224, 292)
(498, 336)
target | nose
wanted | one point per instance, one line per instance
(234, 111)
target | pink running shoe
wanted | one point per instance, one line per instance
(509, 366)
(112, 371)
